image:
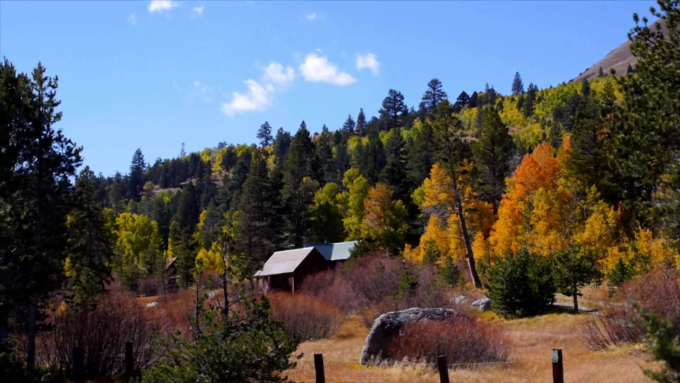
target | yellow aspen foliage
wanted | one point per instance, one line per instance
(353, 201)
(211, 258)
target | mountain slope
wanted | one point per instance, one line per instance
(619, 59)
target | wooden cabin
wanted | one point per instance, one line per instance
(285, 270)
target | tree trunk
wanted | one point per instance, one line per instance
(575, 300)
(466, 238)
(30, 352)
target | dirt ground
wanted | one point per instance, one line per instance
(533, 339)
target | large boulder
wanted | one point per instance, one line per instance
(392, 323)
(483, 304)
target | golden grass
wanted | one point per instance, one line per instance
(533, 339)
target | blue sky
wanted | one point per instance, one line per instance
(155, 74)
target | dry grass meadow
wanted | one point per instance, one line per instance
(532, 339)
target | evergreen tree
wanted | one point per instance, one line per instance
(431, 252)
(181, 231)
(393, 109)
(137, 175)
(530, 101)
(373, 160)
(36, 165)
(90, 251)
(473, 99)
(348, 126)
(360, 128)
(408, 284)
(517, 85)
(572, 271)
(394, 172)
(255, 224)
(630, 69)
(298, 175)
(420, 155)
(600, 72)
(433, 96)
(462, 100)
(326, 215)
(342, 160)
(281, 146)
(231, 192)
(265, 135)
(621, 273)
(492, 153)
(450, 274)
(324, 152)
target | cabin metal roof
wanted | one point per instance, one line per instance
(339, 251)
(283, 262)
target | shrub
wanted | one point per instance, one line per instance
(330, 287)
(304, 316)
(657, 292)
(102, 332)
(521, 285)
(243, 347)
(463, 340)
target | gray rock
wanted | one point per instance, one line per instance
(153, 304)
(483, 304)
(389, 324)
(459, 299)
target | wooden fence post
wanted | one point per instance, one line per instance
(78, 365)
(129, 363)
(557, 366)
(443, 369)
(318, 365)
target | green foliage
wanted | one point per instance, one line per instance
(431, 252)
(246, 347)
(492, 153)
(434, 95)
(13, 368)
(408, 283)
(572, 270)
(265, 135)
(326, 214)
(138, 247)
(521, 285)
(662, 343)
(91, 242)
(517, 85)
(450, 275)
(37, 164)
(621, 273)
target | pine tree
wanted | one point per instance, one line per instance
(373, 160)
(492, 153)
(621, 273)
(450, 274)
(255, 224)
(324, 152)
(181, 231)
(298, 174)
(572, 271)
(137, 175)
(529, 101)
(360, 128)
(420, 155)
(36, 166)
(393, 109)
(91, 242)
(462, 100)
(281, 146)
(517, 85)
(394, 172)
(265, 135)
(433, 96)
(348, 126)
(473, 99)
(600, 72)
(630, 69)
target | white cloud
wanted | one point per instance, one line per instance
(369, 61)
(162, 5)
(257, 98)
(318, 69)
(311, 16)
(279, 75)
(201, 87)
(132, 19)
(197, 11)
